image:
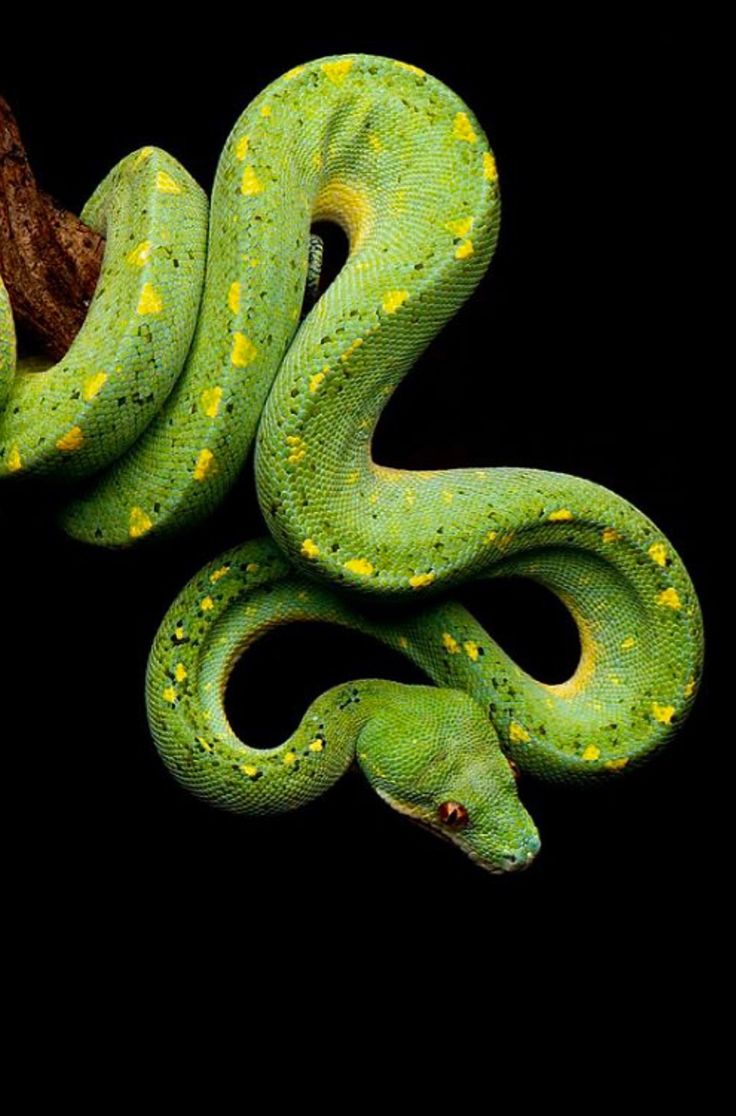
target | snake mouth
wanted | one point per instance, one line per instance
(502, 866)
(505, 865)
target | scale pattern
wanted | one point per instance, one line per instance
(193, 348)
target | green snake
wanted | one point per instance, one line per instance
(195, 345)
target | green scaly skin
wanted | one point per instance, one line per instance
(399, 161)
(419, 746)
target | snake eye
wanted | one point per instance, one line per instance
(453, 814)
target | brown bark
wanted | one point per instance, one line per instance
(49, 260)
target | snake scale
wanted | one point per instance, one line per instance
(195, 345)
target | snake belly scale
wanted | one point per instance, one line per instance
(193, 347)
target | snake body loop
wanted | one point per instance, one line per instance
(189, 353)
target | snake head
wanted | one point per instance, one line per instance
(433, 755)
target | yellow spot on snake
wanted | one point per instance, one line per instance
(205, 465)
(249, 769)
(628, 643)
(14, 460)
(610, 535)
(292, 73)
(403, 642)
(180, 672)
(139, 523)
(472, 650)
(165, 184)
(359, 566)
(351, 349)
(669, 598)
(392, 300)
(140, 254)
(518, 734)
(450, 643)
(447, 496)
(252, 567)
(560, 516)
(169, 694)
(92, 385)
(463, 129)
(179, 632)
(663, 713)
(209, 401)
(316, 745)
(418, 581)
(289, 759)
(413, 69)
(337, 71)
(490, 537)
(658, 553)
(241, 148)
(461, 227)
(143, 154)
(375, 142)
(352, 478)
(298, 449)
(207, 604)
(219, 574)
(150, 301)
(244, 351)
(690, 688)
(591, 753)
(616, 764)
(614, 680)
(204, 744)
(309, 549)
(464, 250)
(266, 110)
(315, 381)
(251, 183)
(410, 497)
(317, 160)
(233, 297)
(70, 441)
(489, 166)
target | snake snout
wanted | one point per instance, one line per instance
(517, 862)
(522, 857)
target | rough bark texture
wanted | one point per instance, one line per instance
(49, 260)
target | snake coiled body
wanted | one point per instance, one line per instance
(193, 346)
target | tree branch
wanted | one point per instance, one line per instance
(49, 260)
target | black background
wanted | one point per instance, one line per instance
(583, 350)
